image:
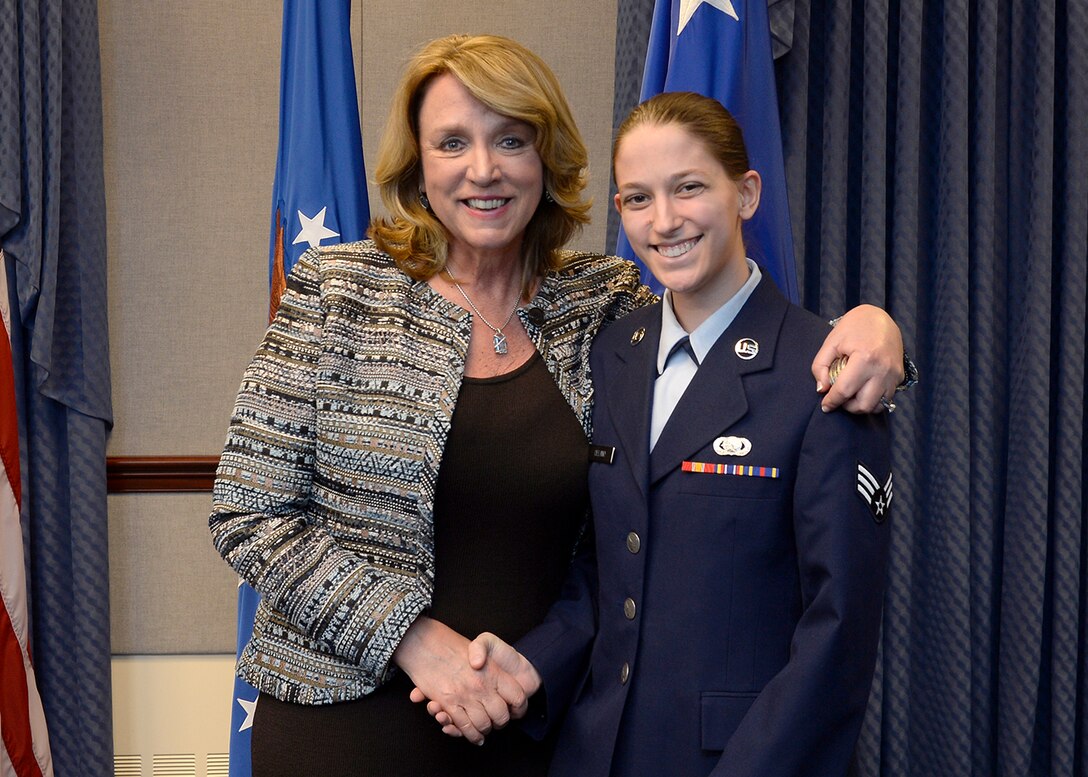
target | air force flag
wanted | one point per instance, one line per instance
(319, 196)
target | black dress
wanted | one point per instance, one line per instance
(511, 498)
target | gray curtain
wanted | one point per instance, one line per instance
(937, 164)
(52, 227)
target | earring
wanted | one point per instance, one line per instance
(548, 197)
(424, 201)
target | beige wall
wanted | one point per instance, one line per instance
(190, 93)
(577, 38)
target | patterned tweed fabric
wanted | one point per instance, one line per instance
(325, 492)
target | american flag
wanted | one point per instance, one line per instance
(24, 750)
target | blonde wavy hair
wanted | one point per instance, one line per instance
(510, 80)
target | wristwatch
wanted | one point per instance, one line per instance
(910, 374)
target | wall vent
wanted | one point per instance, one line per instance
(171, 715)
(128, 766)
(172, 765)
(218, 765)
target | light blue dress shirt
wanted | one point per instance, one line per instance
(675, 373)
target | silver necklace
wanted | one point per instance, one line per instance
(499, 338)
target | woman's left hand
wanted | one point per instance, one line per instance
(873, 345)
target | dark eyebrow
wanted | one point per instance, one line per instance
(674, 178)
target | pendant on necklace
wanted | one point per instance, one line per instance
(500, 342)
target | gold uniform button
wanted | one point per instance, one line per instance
(629, 608)
(625, 673)
(634, 542)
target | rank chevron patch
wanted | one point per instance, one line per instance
(878, 497)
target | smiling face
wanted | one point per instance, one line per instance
(481, 171)
(682, 214)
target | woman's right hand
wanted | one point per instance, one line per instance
(484, 651)
(476, 699)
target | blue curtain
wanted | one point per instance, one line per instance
(937, 164)
(633, 19)
(52, 227)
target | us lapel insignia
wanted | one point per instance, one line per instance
(878, 497)
(732, 446)
(746, 348)
(637, 335)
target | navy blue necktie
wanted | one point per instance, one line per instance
(685, 344)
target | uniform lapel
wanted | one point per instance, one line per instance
(630, 388)
(715, 399)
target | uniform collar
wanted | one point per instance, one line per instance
(708, 332)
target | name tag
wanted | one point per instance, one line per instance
(602, 454)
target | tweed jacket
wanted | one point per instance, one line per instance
(324, 496)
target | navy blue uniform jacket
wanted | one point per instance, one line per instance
(726, 624)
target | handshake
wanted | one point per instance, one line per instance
(471, 688)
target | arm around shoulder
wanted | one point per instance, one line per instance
(874, 364)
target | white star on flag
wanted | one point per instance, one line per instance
(689, 7)
(313, 229)
(250, 707)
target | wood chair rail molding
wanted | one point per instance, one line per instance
(158, 474)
